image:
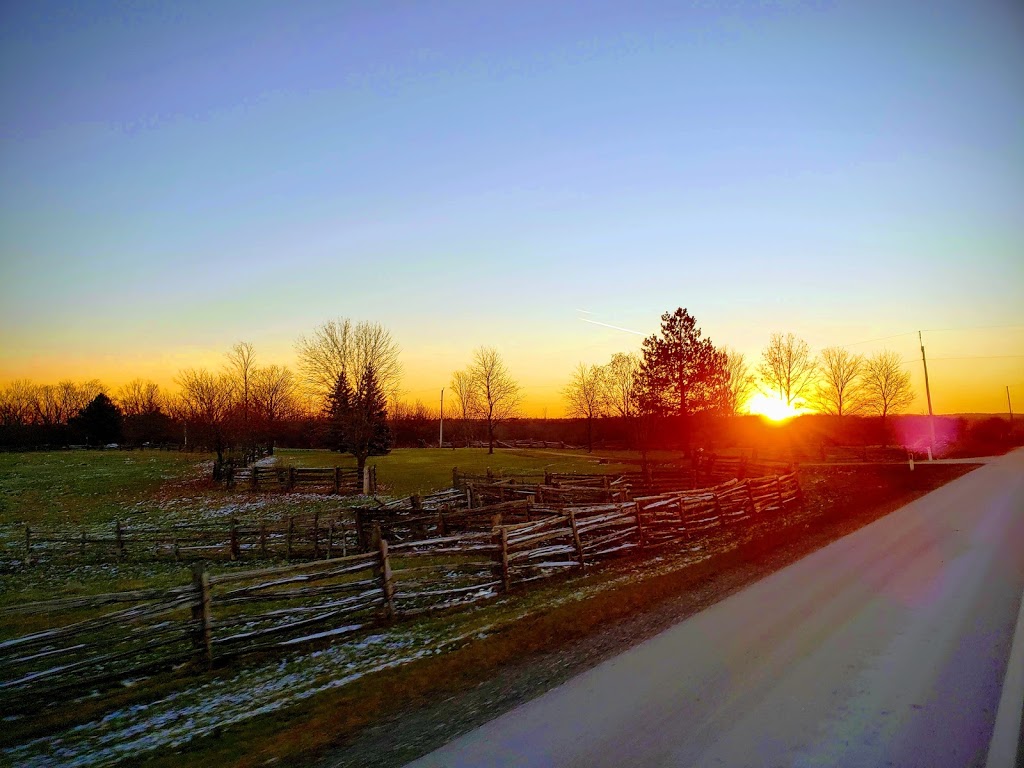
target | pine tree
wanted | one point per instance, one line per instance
(338, 411)
(369, 432)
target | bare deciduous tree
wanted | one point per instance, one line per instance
(621, 381)
(586, 397)
(204, 402)
(788, 368)
(467, 400)
(338, 347)
(498, 392)
(839, 389)
(138, 398)
(741, 381)
(18, 403)
(273, 393)
(241, 365)
(886, 385)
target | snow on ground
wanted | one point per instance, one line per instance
(201, 709)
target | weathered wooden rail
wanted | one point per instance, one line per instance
(337, 480)
(464, 556)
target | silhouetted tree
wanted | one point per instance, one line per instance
(741, 382)
(682, 374)
(338, 346)
(586, 397)
(338, 413)
(787, 367)
(100, 421)
(468, 401)
(886, 385)
(497, 391)
(839, 390)
(368, 432)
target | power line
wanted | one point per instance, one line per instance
(970, 328)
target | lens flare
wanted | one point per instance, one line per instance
(770, 407)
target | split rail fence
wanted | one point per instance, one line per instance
(333, 479)
(463, 557)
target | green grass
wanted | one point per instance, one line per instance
(75, 487)
(405, 471)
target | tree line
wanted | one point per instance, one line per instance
(345, 393)
(680, 373)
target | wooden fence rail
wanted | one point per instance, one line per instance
(464, 557)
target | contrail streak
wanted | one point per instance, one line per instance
(606, 325)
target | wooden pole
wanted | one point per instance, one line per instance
(203, 642)
(288, 539)
(236, 551)
(316, 535)
(119, 538)
(506, 581)
(263, 539)
(337, 479)
(576, 539)
(254, 479)
(387, 583)
(455, 477)
(639, 527)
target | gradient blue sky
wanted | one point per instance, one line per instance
(177, 177)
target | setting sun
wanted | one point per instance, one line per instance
(771, 407)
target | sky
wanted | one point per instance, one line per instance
(177, 177)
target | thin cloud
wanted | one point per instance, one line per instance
(608, 325)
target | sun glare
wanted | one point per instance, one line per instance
(771, 408)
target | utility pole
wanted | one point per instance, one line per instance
(1008, 404)
(928, 394)
(440, 439)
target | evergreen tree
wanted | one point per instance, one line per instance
(100, 421)
(339, 413)
(682, 374)
(368, 432)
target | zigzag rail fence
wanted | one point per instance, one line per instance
(466, 556)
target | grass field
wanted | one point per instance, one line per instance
(420, 470)
(75, 487)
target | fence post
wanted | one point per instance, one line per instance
(119, 538)
(529, 506)
(503, 554)
(28, 545)
(337, 479)
(639, 527)
(366, 481)
(361, 544)
(778, 490)
(263, 539)
(442, 529)
(82, 550)
(373, 480)
(316, 535)
(330, 539)
(291, 478)
(254, 478)
(576, 538)
(750, 498)
(469, 495)
(385, 574)
(455, 477)
(235, 549)
(288, 538)
(202, 641)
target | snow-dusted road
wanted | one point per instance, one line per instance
(889, 647)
